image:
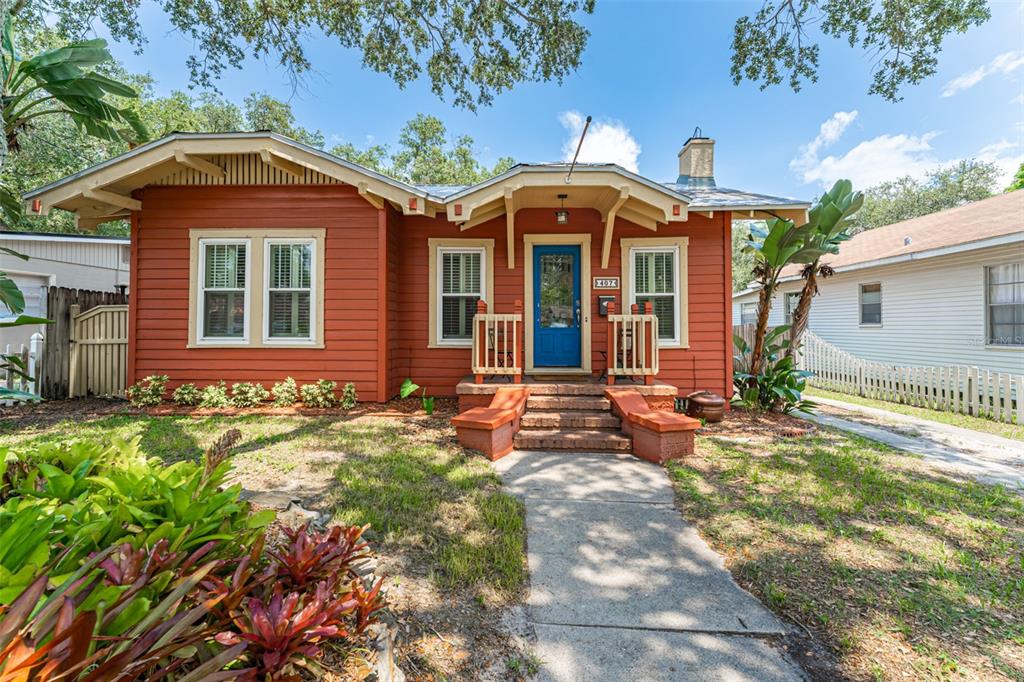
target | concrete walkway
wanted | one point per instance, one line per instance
(621, 588)
(983, 456)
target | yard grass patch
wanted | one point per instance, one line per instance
(1014, 430)
(897, 568)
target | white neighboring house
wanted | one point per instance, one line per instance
(59, 260)
(942, 289)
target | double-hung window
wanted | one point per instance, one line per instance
(748, 313)
(792, 301)
(656, 280)
(462, 276)
(224, 290)
(1005, 285)
(871, 304)
(289, 294)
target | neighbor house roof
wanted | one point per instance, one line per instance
(980, 224)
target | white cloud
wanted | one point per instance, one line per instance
(1018, 100)
(606, 142)
(887, 157)
(830, 131)
(1005, 64)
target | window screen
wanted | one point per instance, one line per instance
(290, 290)
(871, 304)
(224, 276)
(461, 287)
(748, 313)
(1006, 304)
(655, 280)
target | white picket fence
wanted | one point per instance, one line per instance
(32, 356)
(957, 388)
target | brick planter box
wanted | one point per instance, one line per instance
(661, 436)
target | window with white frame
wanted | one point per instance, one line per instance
(224, 290)
(1005, 294)
(289, 293)
(462, 274)
(792, 301)
(871, 303)
(656, 280)
(748, 313)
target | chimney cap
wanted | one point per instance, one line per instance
(698, 134)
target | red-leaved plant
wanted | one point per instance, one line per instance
(310, 557)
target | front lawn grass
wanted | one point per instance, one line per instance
(903, 572)
(965, 421)
(416, 487)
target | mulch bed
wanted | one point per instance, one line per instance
(758, 425)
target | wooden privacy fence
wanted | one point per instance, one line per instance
(953, 388)
(55, 375)
(31, 356)
(99, 351)
(632, 343)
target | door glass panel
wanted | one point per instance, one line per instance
(556, 285)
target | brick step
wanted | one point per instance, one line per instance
(567, 402)
(568, 388)
(572, 439)
(571, 419)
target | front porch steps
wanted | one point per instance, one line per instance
(581, 421)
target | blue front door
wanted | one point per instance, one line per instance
(556, 306)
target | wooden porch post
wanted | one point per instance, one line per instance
(649, 341)
(611, 344)
(480, 341)
(517, 308)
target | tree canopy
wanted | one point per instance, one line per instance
(909, 197)
(1018, 180)
(779, 41)
(468, 51)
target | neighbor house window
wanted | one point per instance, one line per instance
(656, 280)
(224, 290)
(792, 301)
(462, 277)
(871, 303)
(1005, 285)
(748, 313)
(289, 297)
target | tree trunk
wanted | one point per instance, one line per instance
(803, 311)
(764, 307)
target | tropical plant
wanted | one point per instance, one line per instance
(186, 395)
(286, 393)
(408, 388)
(309, 556)
(248, 395)
(778, 385)
(13, 300)
(148, 392)
(831, 215)
(320, 394)
(214, 396)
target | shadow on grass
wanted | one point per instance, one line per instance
(879, 555)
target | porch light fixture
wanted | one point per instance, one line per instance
(562, 215)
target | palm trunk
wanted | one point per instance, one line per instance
(764, 307)
(803, 311)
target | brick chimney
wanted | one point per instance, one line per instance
(697, 161)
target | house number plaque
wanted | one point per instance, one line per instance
(606, 282)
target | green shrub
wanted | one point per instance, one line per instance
(214, 395)
(286, 393)
(186, 395)
(320, 394)
(248, 395)
(349, 398)
(148, 392)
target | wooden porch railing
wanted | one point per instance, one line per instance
(632, 343)
(497, 343)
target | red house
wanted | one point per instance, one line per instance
(255, 257)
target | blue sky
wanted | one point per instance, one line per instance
(654, 70)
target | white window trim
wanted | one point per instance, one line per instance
(676, 272)
(202, 340)
(988, 311)
(744, 305)
(787, 311)
(439, 312)
(269, 340)
(860, 305)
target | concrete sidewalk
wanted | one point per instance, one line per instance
(983, 456)
(621, 588)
